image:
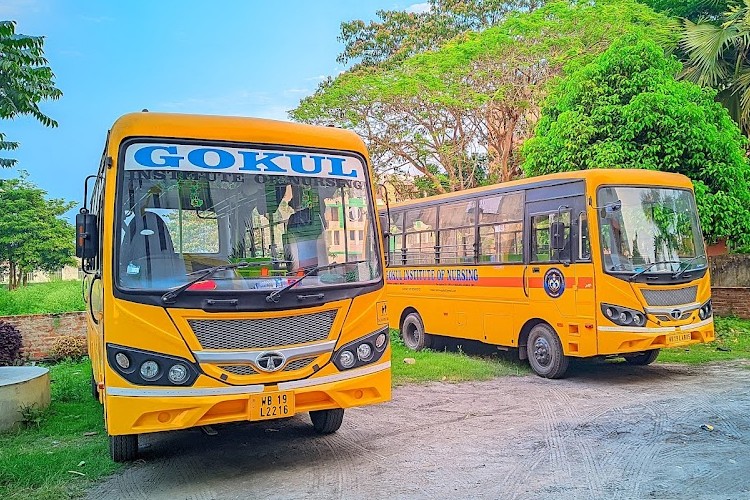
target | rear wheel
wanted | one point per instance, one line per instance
(642, 359)
(123, 448)
(545, 352)
(327, 421)
(412, 333)
(94, 388)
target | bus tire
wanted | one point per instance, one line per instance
(123, 448)
(545, 352)
(327, 421)
(412, 333)
(94, 388)
(642, 359)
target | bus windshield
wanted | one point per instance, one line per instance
(647, 229)
(177, 218)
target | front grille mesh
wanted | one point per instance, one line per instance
(239, 369)
(297, 364)
(670, 297)
(262, 333)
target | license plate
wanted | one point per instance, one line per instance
(271, 405)
(678, 337)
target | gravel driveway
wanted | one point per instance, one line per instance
(607, 431)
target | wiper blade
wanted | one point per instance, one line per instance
(686, 264)
(274, 296)
(645, 269)
(172, 294)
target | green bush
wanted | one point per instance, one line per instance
(10, 344)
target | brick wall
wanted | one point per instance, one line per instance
(39, 331)
(729, 300)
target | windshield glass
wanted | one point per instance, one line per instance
(185, 208)
(640, 226)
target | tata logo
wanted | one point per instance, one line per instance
(250, 161)
(270, 361)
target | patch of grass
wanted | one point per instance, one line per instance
(434, 366)
(35, 462)
(42, 298)
(732, 342)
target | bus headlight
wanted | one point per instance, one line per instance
(624, 316)
(347, 359)
(178, 374)
(141, 367)
(706, 310)
(123, 361)
(368, 349)
(149, 370)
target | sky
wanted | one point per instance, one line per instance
(247, 58)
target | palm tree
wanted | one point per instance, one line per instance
(718, 56)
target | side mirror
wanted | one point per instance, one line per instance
(87, 235)
(558, 235)
(385, 224)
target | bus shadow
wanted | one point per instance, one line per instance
(596, 370)
(238, 448)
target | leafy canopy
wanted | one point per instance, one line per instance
(625, 109)
(690, 9)
(456, 115)
(25, 81)
(33, 236)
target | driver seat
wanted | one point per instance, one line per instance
(147, 255)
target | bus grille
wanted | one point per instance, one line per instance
(670, 297)
(297, 364)
(262, 333)
(239, 369)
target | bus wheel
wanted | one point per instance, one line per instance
(642, 359)
(412, 333)
(327, 421)
(94, 388)
(545, 352)
(123, 448)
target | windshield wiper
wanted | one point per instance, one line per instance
(274, 296)
(686, 264)
(205, 273)
(649, 266)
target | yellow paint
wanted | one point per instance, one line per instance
(500, 312)
(166, 331)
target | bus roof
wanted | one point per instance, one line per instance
(232, 129)
(595, 177)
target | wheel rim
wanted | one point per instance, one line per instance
(542, 351)
(411, 334)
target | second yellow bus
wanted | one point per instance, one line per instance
(581, 264)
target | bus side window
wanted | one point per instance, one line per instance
(584, 245)
(540, 238)
(501, 228)
(419, 230)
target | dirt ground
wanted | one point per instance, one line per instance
(607, 431)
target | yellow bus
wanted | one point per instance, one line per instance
(234, 272)
(580, 264)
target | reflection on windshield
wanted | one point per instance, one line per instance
(654, 227)
(173, 226)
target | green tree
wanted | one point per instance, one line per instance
(33, 236)
(477, 96)
(625, 109)
(397, 34)
(690, 9)
(25, 81)
(717, 55)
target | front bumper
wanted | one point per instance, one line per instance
(621, 340)
(140, 410)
